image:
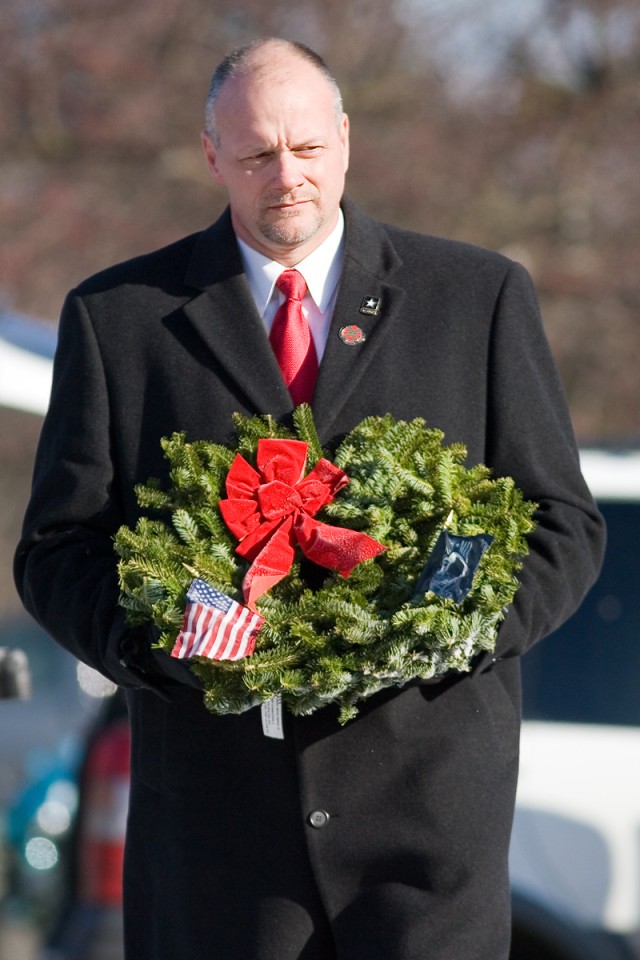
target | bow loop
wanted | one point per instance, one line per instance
(283, 460)
(242, 479)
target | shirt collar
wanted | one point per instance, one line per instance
(321, 270)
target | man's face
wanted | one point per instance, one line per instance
(282, 155)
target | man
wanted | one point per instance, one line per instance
(386, 838)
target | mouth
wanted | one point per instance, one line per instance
(286, 205)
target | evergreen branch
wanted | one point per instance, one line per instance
(306, 431)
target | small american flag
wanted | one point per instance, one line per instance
(215, 626)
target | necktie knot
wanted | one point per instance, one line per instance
(292, 284)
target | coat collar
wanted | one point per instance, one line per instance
(237, 336)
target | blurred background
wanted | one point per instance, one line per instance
(511, 125)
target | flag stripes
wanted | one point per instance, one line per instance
(215, 626)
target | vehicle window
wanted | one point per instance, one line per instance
(588, 671)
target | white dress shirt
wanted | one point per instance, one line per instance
(321, 271)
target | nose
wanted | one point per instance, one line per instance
(287, 170)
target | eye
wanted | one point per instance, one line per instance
(256, 160)
(308, 151)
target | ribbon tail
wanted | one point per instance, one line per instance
(337, 548)
(270, 566)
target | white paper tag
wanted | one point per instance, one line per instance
(271, 711)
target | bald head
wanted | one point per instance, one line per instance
(261, 58)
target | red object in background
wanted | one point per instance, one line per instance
(105, 799)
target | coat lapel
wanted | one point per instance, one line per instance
(370, 262)
(226, 319)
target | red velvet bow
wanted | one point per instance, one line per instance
(271, 509)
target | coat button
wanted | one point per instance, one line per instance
(318, 818)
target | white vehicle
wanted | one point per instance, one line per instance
(27, 346)
(575, 851)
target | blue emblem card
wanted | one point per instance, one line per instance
(450, 569)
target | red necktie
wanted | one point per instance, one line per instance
(292, 341)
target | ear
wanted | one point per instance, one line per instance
(344, 140)
(211, 156)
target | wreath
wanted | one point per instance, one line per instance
(388, 562)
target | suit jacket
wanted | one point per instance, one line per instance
(406, 854)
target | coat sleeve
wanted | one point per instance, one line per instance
(65, 565)
(530, 437)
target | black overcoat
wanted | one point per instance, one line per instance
(406, 856)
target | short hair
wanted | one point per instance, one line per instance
(236, 61)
